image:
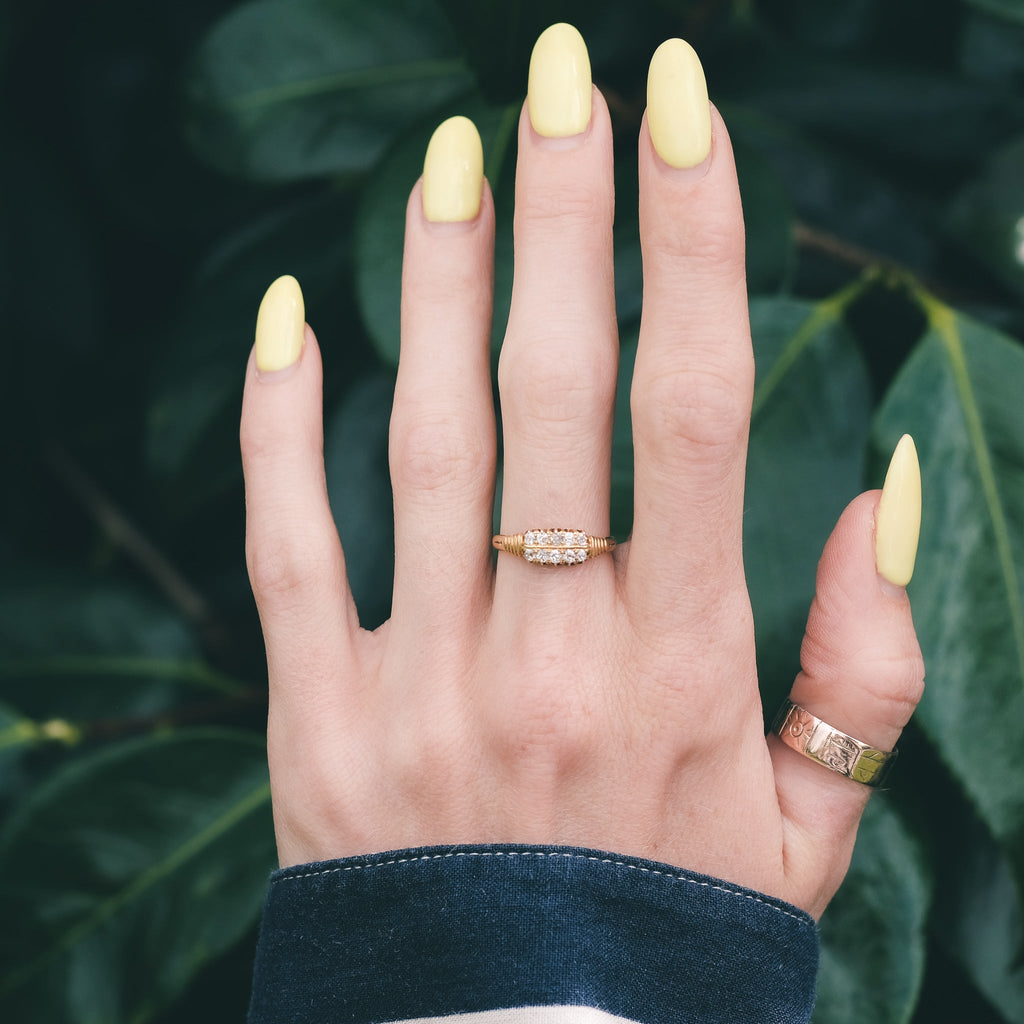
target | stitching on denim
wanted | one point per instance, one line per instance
(543, 853)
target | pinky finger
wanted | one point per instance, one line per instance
(294, 556)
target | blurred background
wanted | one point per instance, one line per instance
(162, 163)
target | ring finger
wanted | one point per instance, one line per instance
(558, 362)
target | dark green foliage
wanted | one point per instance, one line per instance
(164, 162)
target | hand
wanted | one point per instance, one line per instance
(612, 704)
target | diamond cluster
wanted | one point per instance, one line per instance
(555, 547)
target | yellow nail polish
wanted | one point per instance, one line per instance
(559, 92)
(453, 172)
(899, 515)
(678, 114)
(280, 325)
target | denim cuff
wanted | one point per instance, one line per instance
(436, 931)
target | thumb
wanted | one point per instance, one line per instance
(862, 672)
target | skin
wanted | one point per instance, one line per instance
(610, 705)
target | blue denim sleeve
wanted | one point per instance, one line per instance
(573, 934)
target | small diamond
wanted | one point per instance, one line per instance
(531, 537)
(581, 556)
(530, 555)
(579, 539)
(558, 538)
(542, 556)
(556, 557)
(569, 557)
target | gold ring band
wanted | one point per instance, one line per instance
(837, 751)
(557, 546)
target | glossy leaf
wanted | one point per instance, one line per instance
(622, 440)
(359, 488)
(836, 198)
(288, 89)
(768, 219)
(808, 438)
(897, 110)
(127, 872)
(873, 933)
(81, 649)
(197, 377)
(18, 734)
(981, 923)
(960, 396)
(1011, 10)
(989, 215)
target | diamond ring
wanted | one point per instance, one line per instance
(553, 547)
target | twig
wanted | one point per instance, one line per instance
(123, 534)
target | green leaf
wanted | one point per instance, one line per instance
(834, 194)
(1011, 10)
(980, 921)
(18, 735)
(380, 225)
(899, 110)
(768, 218)
(288, 89)
(622, 440)
(130, 870)
(359, 488)
(808, 438)
(873, 933)
(82, 649)
(192, 432)
(989, 215)
(960, 396)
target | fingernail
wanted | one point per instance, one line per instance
(678, 114)
(453, 172)
(899, 515)
(280, 325)
(559, 92)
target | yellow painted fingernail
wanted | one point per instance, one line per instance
(280, 325)
(899, 515)
(559, 92)
(453, 172)
(678, 114)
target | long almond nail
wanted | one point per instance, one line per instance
(678, 114)
(280, 326)
(453, 172)
(559, 93)
(898, 523)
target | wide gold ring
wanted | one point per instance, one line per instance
(553, 547)
(837, 751)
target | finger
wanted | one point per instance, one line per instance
(693, 380)
(558, 362)
(292, 549)
(862, 671)
(442, 445)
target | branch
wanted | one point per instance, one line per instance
(125, 536)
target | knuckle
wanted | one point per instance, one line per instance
(899, 686)
(544, 383)
(714, 254)
(431, 453)
(543, 726)
(285, 566)
(700, 409)
(556, 209)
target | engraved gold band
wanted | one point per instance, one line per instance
(813, 738)
(557, 546)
